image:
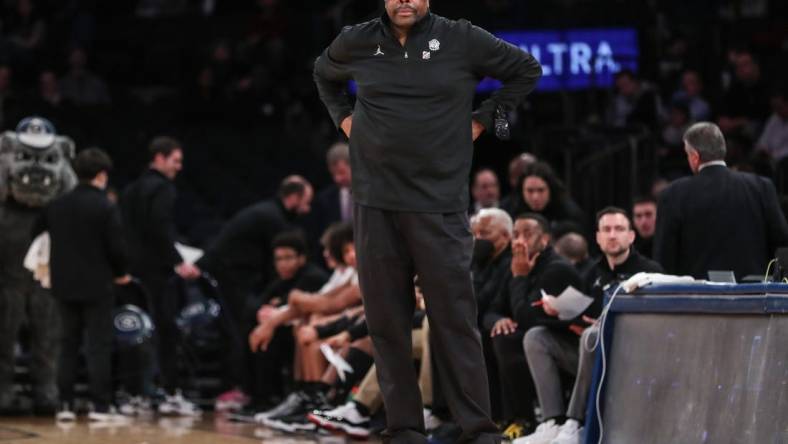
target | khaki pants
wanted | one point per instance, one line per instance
(369, 391)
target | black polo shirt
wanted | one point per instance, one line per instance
(410, 144)
(601, 276)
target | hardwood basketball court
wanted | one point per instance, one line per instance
(209, 429)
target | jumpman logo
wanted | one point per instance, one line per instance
(378, 52)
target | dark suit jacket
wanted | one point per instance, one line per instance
(326, 206)
(719, 220)
(488, 283)
(88, 248)
(326, 210)
(148, 208)
(243, 250)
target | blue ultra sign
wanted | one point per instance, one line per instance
(576, 58)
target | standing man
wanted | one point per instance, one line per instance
(148, 207)
(717, 219)
(411, 143)
(88, 254)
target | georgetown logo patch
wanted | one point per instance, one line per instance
(425, 55)
(434, 45)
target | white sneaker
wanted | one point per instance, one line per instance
(65, 414)
(431, 422)
(345, 418)
(570, 433)
(545, 433)
(110, 416)
(136, 406)
(177, 405)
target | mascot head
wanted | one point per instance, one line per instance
(35, 163)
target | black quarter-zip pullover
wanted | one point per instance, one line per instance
(410, 145)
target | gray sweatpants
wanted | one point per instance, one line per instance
(549, 351)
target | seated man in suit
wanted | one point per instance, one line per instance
(717, 219)
(334, 203)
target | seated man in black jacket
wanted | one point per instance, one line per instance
(492, 232)
(492, 257)
(87, 255)
(551, 349)
(294, 272)
(305, 311)
(535, 267)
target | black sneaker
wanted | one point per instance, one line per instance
(315, 401)
(446, 433)
(246, 414)
(296, 423)
(294, 403)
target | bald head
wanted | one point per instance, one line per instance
(573, 247)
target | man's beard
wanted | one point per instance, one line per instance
(535, 249)
(618, 253)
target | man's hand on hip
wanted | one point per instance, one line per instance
(346, 125)
(123, 280)
(476, 129)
